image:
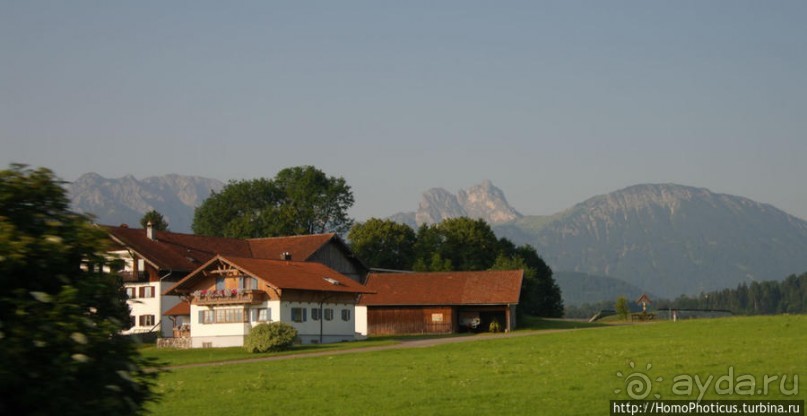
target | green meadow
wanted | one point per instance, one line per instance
(572, 372)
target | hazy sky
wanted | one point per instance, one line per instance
(552, 101)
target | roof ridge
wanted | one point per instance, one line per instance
(291, 236)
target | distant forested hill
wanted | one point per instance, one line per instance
(669, 239)
(579, 288)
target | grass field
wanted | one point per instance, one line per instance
(558, 373)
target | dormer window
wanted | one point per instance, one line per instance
(331, 281)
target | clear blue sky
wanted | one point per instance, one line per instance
(554, 101)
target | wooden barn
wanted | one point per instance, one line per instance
(438, 303)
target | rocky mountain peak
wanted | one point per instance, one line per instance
(484, 201)
(488, 202)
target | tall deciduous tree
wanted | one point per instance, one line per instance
(465, 243)
(299, 200)
(156, 219)
(312, 202)
(540, 294)
(61, 351)
(383, 244)
(622, 307)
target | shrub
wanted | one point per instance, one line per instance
(495, 326)
(622, 308)
(277, 336)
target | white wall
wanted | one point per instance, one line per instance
(144, 306)
(334, 330)
(227, 334)
(232, 334)
(361, 321)
(156, 305)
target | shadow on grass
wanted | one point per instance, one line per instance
(535, 323)
(175, 357)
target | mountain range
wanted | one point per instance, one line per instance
(663, 239)
(125, 200)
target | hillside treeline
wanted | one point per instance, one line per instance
(755, 298)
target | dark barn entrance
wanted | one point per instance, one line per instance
(479, 318)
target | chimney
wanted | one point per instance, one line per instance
(285, 256)
(150, 231)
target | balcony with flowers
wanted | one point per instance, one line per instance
(227, 297)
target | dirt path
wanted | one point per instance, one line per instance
(420, 343)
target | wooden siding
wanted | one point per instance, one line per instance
(410, 320)
(334, 257)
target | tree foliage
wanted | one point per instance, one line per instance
(755, 298)
(61, 351)
(540, 294)
(383, 244)
(299, 200)
(464, 244)
(622, 307)
(156, 219)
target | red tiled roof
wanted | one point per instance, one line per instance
(175, 251)
(181, 308)
(279, 274)
(186, 252)
(301, 247)
(445, 288)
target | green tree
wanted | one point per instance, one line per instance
(540, 294)
(156, 219)
(383, 244)
(313, 203)
(543, 295)
(300, 200)
(436, 264)
(61, 351)
(242, 209)
(465, 243)
(622, 308)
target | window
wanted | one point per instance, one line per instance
(146, 292)
(345, 314)
(298, 314)
(146, 320)
(245, 282)
(233, 315)
(221, 316)
(131, 292)
(329, 314)
(219, 283)
(206, 317)
(315, 315)
(260, 315)
(132, 321)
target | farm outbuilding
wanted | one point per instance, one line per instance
(439, 303)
